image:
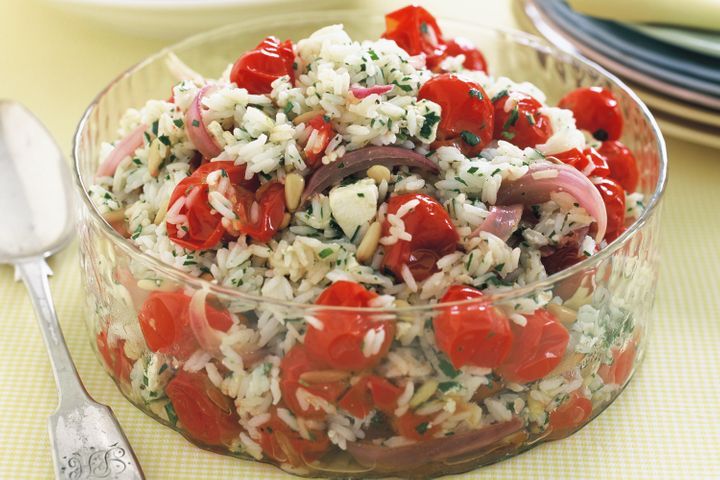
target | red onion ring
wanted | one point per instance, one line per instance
(501, 222)
(533, 188)
(362, 159)
(123, 149)
(362, 92)
(196, 128)
(208, 338)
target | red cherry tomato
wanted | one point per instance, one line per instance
(258, 68)
(589, 161)
(596, 110)
(340, 342)
(293, 365)
(622, 164)
(115, 359)
(368, 393)
(523, 125)
(165, 323)
(285, 445)
(416, 31)
(433, 236)
(475, 334)
(203, 228)
(260, 214)
(537, 348)
(314, 153)
(474, 59)
(466, 120)
(614, 197)
(415, 427)
(618, 372)
(206, 414)
(571, 414)
(566, 254)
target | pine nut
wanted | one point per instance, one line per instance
(405, 317)
(114, 215)
(294, 186)
(304, 117)
(324, 376)
(379, 173)
(582, 296)
(162, 211)
(156, 155)
(567, 316)
(424, 393)
(369, 243)
(285, 221)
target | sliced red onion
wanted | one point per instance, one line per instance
(362, 92)
(542, 179)
(362, 159)
(418, 61)
(196, 128)
(208, 338)
(436, 449)
(501, 222)
(124, 148)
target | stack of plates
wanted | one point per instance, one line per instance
(676, 72)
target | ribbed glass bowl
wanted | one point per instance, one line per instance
(613, 291)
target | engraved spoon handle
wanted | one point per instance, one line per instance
(87, 441)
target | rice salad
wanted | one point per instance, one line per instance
(374, 174)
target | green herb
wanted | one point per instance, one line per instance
(501, 94)
(147, 137)
(361, 195)
(164, 139)
(326, 252)
(535, 209)
(189, 261)
(530, 118)
(145, 380)
(472, 170)
(508, 135)
(461, 181)
(163, 368)
(495, 172)
(469, 261)
(512, 119)
(424, 27)
(422, 428)
(155, 126)
(447, 386)
(405, 88)
(474, 92)
(341, 165)
(469, 138)
(430, 120)
(295, 65)
(542, 155)
(357, 229)
(137, 232)
(137, 161)
(288, 108)
(107, 196)
(373, 55)
(499, 266)
(179, 123)
(172, 416)
(195, 123)
(447, 368)
(326, 119)
(267, 367)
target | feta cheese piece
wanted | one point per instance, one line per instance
(354, 205)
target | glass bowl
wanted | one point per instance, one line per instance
(606, 306)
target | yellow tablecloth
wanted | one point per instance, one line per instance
(665, 425)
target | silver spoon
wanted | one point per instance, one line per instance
(38, 221)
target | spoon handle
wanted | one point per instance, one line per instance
(87, 441)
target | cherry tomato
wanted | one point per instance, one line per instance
(475, 334)
(258, 68)
(340, 343)
(537, 348)
(260, 214)
(466, 120)
(203, 228)
(622, 164)
(314, 153)
(614, 197)
(596, 110)
(618, 372)
(433, 236)
(368, 393)
(115, 359)
(416, 31)
(415, 427)
(571, 414)
(474, 59)
(206, 414)
(566, 254)
(285, 445)
(293, 365)
(589, 161)
(523, 125)
(165, 323)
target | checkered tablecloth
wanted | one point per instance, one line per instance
(666, 425)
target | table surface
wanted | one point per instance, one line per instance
(665, 425)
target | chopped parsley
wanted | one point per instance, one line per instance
(361, 195)
(447, 368)
(475, 93)
(405, 88)
(472, 170)
(288, 108)
(424, 27)
(373, 55)
(179, 123)
(137, 232)
(155, 126)
(195, 123)
(422, 428)
(508, 135)
(172, 416)
(530, 118)
(469, 138)
(164, 139)
(512, 119)
(137, 161)
(495, 172)
(461, 181)
(162, 368)
(430, 120)
(447, 386)
(501, 94)
(325, 252)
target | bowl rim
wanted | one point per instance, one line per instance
(184, 279)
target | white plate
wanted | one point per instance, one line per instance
(695, 40)
(174, 19)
